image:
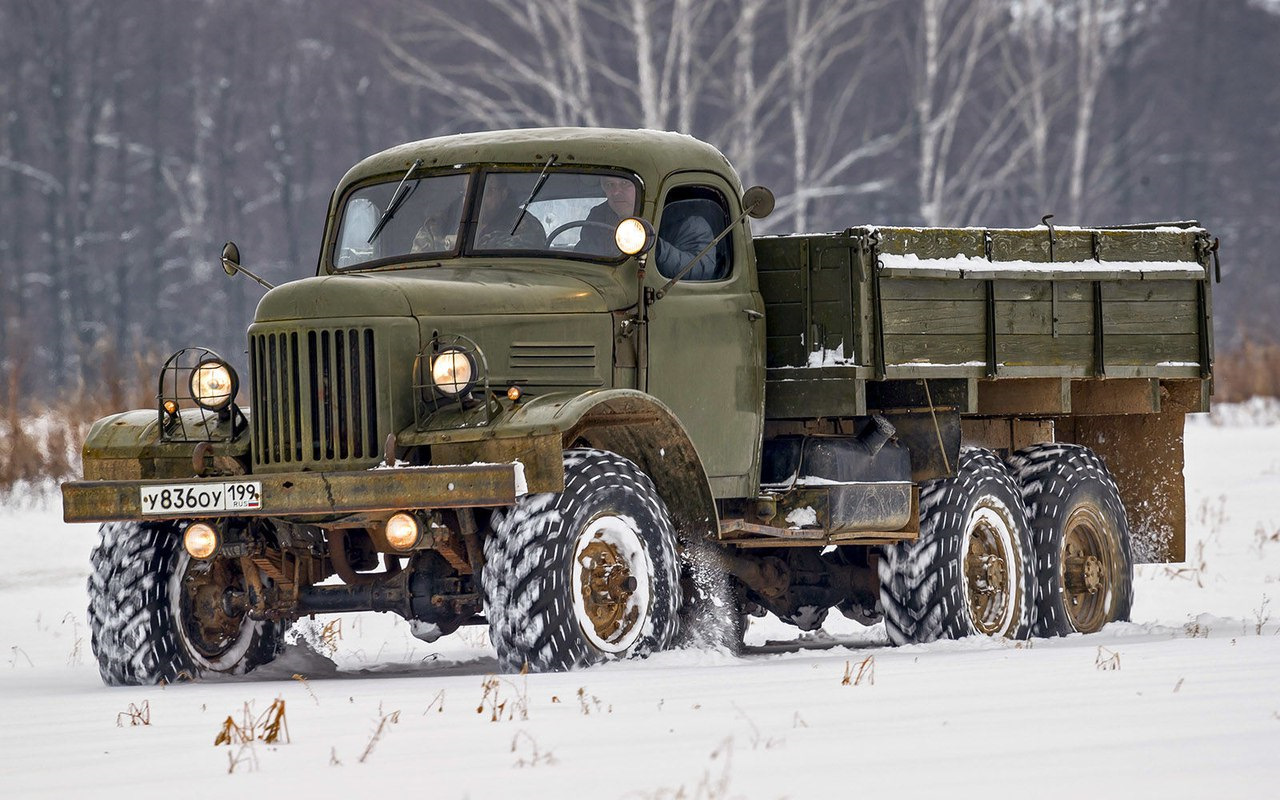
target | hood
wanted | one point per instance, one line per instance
(440, 291)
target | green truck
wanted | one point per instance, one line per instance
(548, 381)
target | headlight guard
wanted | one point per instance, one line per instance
(450, 370)
(196, 397)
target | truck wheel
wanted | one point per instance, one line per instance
(970, 570)
(584, 575)
(156, 615)
(1084, 576)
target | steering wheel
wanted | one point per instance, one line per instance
(577, 223)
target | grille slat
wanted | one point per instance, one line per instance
(314, 396)
(370, 394)
(259, 400)
(273, 397)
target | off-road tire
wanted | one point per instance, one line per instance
(1072, 499)
(135, 612)
(926, 591)
(535, 565)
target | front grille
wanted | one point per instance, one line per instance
(314, 396)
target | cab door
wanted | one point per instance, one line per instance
(706, 339)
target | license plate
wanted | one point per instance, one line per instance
(183, 498)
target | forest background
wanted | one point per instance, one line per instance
(136, 136)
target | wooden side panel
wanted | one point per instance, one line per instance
(933, 320)
(784, 286)
(832, 290)
(1133, 245)
(815, 298)
(933, 242)
(956, 318)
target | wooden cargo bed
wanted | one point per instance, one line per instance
(962, 303)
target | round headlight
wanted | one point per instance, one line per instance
(633, 236)
(453, 371)
(213, 384)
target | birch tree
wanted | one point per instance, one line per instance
(826, 55)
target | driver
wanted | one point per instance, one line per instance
(682, 236)
(619, 203)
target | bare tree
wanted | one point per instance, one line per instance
(827, 52)
(953, 40)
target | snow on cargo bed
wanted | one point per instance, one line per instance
(910, 265)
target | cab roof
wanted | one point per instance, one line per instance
(651, 154)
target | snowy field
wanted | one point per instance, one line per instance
(1182, 702)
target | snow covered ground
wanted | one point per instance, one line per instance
(1182, 702)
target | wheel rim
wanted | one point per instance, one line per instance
(990, 569)
(1088, 568)
(611, 586)
(210, 608)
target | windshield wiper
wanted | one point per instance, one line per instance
(397, 199)
(537, 187)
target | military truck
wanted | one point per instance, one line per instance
(549, 382)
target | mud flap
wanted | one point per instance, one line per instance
(1145, 454)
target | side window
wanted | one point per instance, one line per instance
(691, 218)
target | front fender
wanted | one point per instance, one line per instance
(537, 430)
(130, 446)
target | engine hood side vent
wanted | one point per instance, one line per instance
(554, 363)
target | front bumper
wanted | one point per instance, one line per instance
(313, 494)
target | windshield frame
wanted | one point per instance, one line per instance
(476, 174)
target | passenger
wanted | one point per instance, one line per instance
(499, 211)
(681, 237)
(439, 230)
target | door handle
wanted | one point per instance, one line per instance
(752, 314)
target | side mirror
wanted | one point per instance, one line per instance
(230, 258)
(758, 202)
(231, 264)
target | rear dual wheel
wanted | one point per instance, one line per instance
(1084, 575)
(970, 571)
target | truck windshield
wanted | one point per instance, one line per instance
(572, 214)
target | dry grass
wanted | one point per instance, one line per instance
(135, 715)
(528, 754)
(270, 726)
(40, 437)
(1194, 629)
(18, 651)
(1106, 659)
(437, 704)
(589, 703)
(1251, 370)
(1262, 615)
(865, 670)
(505, 699)
(384, 723)
(330, 635)
(1264, 535)
(302, 679)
